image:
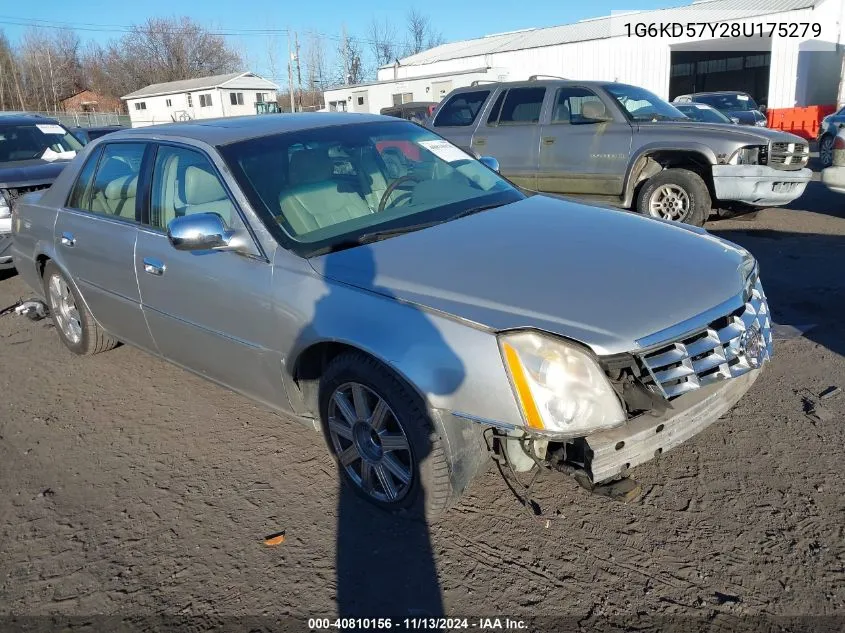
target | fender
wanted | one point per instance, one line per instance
(639, 161)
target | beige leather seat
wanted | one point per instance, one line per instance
(116, 189)
(205, 194)
(312, 200)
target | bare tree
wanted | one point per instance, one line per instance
(351, 63)
(165, 49)
(382, 41)
(48, 68)
(421, 34)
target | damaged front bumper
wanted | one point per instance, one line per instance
(609, 454)
(759, 185)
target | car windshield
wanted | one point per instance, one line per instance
(728, 102)
(48, 141)
(703, 113)
(336, 187)
(642, 105)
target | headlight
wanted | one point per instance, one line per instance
(746, 156)
(749, 272)
(561, 389)
(5, 208)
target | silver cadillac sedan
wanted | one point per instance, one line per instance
(370, 279)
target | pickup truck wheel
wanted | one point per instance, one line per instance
(826, 151)
(384, 441)
(74, 323)
(675, 194)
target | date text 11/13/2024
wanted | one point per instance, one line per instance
(422, 624)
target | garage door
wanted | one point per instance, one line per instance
(709, 71)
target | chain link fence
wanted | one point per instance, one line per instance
(87, 119)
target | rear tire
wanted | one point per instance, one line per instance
(364, 461)
(679, 195)
(74, 323)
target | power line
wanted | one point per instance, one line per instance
(122, 28)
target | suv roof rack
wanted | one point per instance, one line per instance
(536, 77)
(477, 82)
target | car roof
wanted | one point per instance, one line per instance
(21, 118)
(715, 92)
(227, 130)
(540, 83)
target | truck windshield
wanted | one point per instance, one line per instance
(335, 187)
(29, 141)
(728, 102)
(642, 105)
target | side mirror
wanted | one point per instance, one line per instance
(490, 163)
(734, 120)
(200, 232)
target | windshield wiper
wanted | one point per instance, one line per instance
(376, 236)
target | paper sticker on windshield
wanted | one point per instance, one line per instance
(742, 97)
(445, 151)
(51, 128)
(701, 106)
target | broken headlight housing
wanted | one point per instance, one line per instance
(749, 155)
(560, 387)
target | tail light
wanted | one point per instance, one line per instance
(839, 143)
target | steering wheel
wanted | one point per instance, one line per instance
(392, 187)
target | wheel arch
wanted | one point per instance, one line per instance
(310, 364)
(652, 160)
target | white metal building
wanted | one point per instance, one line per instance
(779, 68)
(204, 98)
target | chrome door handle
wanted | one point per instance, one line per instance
(548, 140)
(479, 141)
(153, 266)
(68, 239)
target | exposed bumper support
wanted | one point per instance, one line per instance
(759, 185)
(6, 251)
(647, 436)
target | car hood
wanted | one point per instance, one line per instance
(603, 277)
(24, 173)
(745, 134)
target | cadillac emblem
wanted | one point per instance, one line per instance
(752, 345)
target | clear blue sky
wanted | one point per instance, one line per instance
(456, 19)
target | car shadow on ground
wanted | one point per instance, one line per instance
(385, 565)
(802, 277)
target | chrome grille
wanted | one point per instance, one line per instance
(717, 352)
(788, 155)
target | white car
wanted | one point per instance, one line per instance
(834, 176)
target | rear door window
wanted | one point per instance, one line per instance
(461, 109)
(114, 188)
(493, 119)
(522, 105)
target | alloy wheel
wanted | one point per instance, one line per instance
(63, 306)
(826, 151)
(370, 442)
(669, 202)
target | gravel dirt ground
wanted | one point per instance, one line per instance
(130, 487)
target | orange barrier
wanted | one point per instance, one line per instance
(804, 122)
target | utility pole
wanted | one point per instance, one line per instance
(298, 72)
(290, 76)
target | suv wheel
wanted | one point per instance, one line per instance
(826, 151)
(384, 441)
(679, 195)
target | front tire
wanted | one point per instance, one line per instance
(74, 323)
(679, 195)
(383, 439)
(826, 151)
